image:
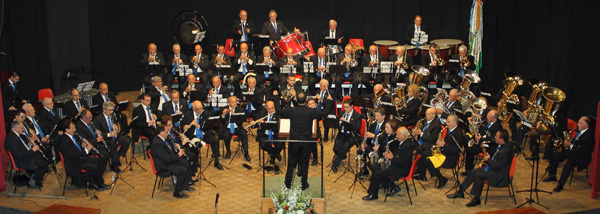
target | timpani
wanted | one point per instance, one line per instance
(383, 47)
(452, 43)
(442, 49)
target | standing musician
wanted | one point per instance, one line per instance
(491, 125)
(107, 126)
(377, 128)
(274, 28)
(47, 114)
(79, 155)
(431, 61)
(427, 137)
(10, 94)
(176, 59)
(335, 33)
(450, 146)
(348, 60)
(193, 127)
(243, 28)
(87, 130)
(451, 105)
(158, 93)
(292, 60)
(143, 119)
(293, 87)
(398, 155)
(320, 67)
(411, 29)
(228, 128)
(243, 61)
(200, 64)
(167, 157)
(152, 58)
(560, 116)
(495, 173)
(182, 143)
(400, 74)
(262, 134)
(411, 112)
(72, 107)
(345, 139)
(320, 97)
(371, 60)
(220, 58)
(26, 154)
(190, 85)
(253, 108)
(175, 105)
(301, 123)
(577, 152)
(272, 75)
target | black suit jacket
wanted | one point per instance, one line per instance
(140, 123)
(495, 127)
(302, 118)
(409, 61)
(583, 146)
(341, 57)
(451, 149)
(225, 120)
(98, 99)
(11, 97)
(338, 34)
(426, 60)
(284, 61)
(469, 57)
(46, 118)
(410, 32)
(167, 108)
(226, 57)
(355, 120)
(163, 155)
(24, 158)
(84, 132)
(101, 124)
(274, 67)
(237, 26)
(198, 87)
(499, 166)
(455, 105)
(159, 56)
(29, 124)
(72, 157)
(402, 160)
(261, 132)
(364, 61)
(155, 97)
(372, 127)
(170, 64)
(431, 134)
(204, 62)
(267, 29)
(237, 65)
(258, 93)
(331, 103)
(411, 111)
(70, 110)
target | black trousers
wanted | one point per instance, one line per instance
(124, 142)
(237, 77)
(379, 179)
(425, 151)
(298, 156)
(567, 169)
(476, 178)
(353, 78)
(343, 144)
(181, 170)
(41, 168)
(242, 135)
(471, 152)
(271, 148)
(214, 144)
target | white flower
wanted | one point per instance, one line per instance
(280, 211)
(300, 212)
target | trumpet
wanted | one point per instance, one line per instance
(439, 61)
(86, 142)
(464, 62)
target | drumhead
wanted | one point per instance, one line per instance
(449, 42)
(385, 42)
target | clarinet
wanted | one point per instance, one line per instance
(87, 142)
(39, 145)
(178, 148)
(100, 133)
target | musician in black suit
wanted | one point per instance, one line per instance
(193, 91)
(452, 105)
(450, 146)
(274, 28)
(176, 58)
(87, 130)
(293, 87)
(273, 77)
(175, 105)
(431, 60)
(400, 161)
(11, 98)
(217, 89)
(143, 119)
(375, 129)
(32, 122)
(351, 72)
(193, 127)
(400, 74)
(492, 125)
(106, 124)
(291, 60)
(368, 62)
(319, 62)
(72, 107)
(262, 134)
(427, 137)
(78, 156)
(496, 173)
(183, 143)
(322, 95)
(153, 63)
(47, 114)
(200, 65)
(228, 128)
(560, 118)
(243, 28)
(301, 123)
(346, 138)
(26, 154)
(411, 111)
(252, 108)
(334, 32)
(158, 93)
(167, 159)
(220, 58)
(410, 30)
(464, 55)
(243, 62)
(577, 152)
(103, 96)
(379, 95)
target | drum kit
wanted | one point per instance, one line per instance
(296, 42)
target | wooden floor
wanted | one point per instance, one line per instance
(240, 191)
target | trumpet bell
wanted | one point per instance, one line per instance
(420, 70)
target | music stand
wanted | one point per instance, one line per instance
(96, 110)
(132, 159)
(288, 69)
(386, 67)
(308, 67)
(389, 108)
(212, 124)
(154, 70)
(235, 118)
(352, 130)
(224, 70)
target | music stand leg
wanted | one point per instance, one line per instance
(534, 181)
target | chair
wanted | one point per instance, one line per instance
(356, 108)
(62, 161)
(229, 47)
(142, 139)
(162, 174)
(405, 179)
(17, 170)
(46, 92)
(587, 174)
(238, 148)
(511, 189)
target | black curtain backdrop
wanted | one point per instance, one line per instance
(551, 40)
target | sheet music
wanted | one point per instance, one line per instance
(368, 70)
(288, 69)
(387, 67)
(308, 67)
(183, 70)
(284, 125)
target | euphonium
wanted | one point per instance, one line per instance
(419, 72)
(479, 104)
(559, 143)
(286, 95)
(399, 99)
(440, 100)
(552, 96)
(534, 110)
(513, 80)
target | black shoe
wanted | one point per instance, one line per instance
(370, 198)
(465, 173)
(476, 201)
(558, 188)
(549, 178)
(394, 190)
(180, 194)
(115, 168)
(218, 166)
(314, 162)
(104, 186)
(334, 169)
(247, 157)
(305, 186)
(443, 182)
(227, 155)
(530, 158)
(457, 194)
(421, 177)
(362, 173)
(33, 186)
(276, 169)
(278, 157)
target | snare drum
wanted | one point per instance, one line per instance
(293, 41)
(442, 49)
(452, 43)
(383, 47)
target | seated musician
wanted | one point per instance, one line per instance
(229, 128)
(485, 137)
(450, 146)
(432, 60)
(290, 60)
(159, 94)
(312, 103)
(72, 108)
(346, 138)
(400, 74)
(321, 96)
(427, 136)
(262, 134)
(472, 87)
(117, 142)
(182, 143)
(153, 64)
(175, 105)
(397, 157)
(167, 158)
(252, 108)
(176, 58)
(452, 105)
(79, 155)
(411, 112)
(371, 60)
(293, 87)
(495, 172)
(216, 90)
(220, 58)
(319, 62)
(272, 75)
(146, 119)
(47, 114)
(32, 123)
(87, 130)
(200, 65)
(379, 95)
(193, 127)
(351, 73)
(274, 28)
(560, 118)
(243, 62)
(189, 87)
(466, 61)
(577, 152)
(26, 154)
(376, 129)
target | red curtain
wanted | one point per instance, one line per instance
(595, 165)
(3, 155)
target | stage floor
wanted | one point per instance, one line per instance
(240, 191)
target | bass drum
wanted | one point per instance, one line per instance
(294, 41)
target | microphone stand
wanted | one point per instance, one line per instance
(217, 204)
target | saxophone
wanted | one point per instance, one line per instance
(374, 155)
(435, 150)
(385, 163)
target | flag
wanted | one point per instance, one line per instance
(476, 32)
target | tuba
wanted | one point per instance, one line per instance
(513, 80)
(399, 99)
(479, 104)
(419, 72)
(552, 96)
(534, 110)
(440, 100)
